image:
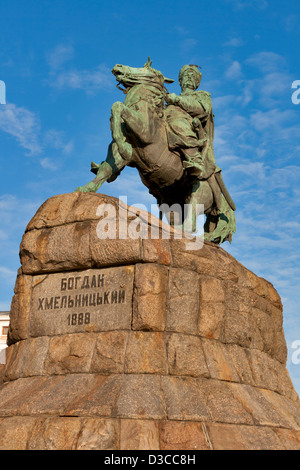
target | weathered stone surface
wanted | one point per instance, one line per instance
(185, 356)
(15, 432)
(141, 397)
(139, 344)
(183, 304)
(211, 319)
(218, 361)
(65, 247)
(180, 435)
(156, 251)
(150, 297)
(149, 312)
(27, 358)
(109, 354)
(113, 252)
(290, 440)
(226, 436)
(146, 353)
(212, 290)
(55, 434)
(139, 434)
(266, 407)
(99, 434)
(20, 308)
(185, 399)
(69, 354)
(224, 405)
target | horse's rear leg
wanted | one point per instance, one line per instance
(112, 166)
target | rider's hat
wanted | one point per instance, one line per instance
(194, 68)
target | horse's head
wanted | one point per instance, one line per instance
(130, 76)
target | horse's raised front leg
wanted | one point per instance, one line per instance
(113, 164)
(117, 129)
(140, 121)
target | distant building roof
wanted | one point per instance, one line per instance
(4, 314)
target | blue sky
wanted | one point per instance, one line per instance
(56, 59)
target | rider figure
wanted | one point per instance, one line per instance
(191, 128)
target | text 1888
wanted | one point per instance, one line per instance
(79, 319)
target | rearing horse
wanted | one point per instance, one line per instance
(140, 140)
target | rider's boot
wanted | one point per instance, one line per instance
(194, 162)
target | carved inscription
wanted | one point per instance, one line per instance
(91, 300)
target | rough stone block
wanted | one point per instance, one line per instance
(15, 432)
(150, 295)
(211, 290)
(61, 248)
(183, 304)
(146, 353)
(211, 319)
(225, 436)
(185, 399)
(264, 406)
(150, 279)
(97, 396)
(99, 434)
(69, 354)
(240, 329)
(113, 252)
(156, 251)
(180, 435)
(55, 434)
(109, 354)
(239, 359)
(33, 356)
(139, 434)
(290, 440)
(270, 374)
(224, 405)
(185, 356)
(219, 361)
(20, 309)
(149, 312)
(141, 397)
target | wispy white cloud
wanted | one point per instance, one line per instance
(57, 140)
(291, 22)
(59, 56)
(267, 61)
(25, 127)
(187, 45)
(234, 71)
(22, 124)
(48, 164)
(87, 80)
(63, 77)
(234, 42)
(242, 4)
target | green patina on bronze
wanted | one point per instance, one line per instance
(169, 139)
